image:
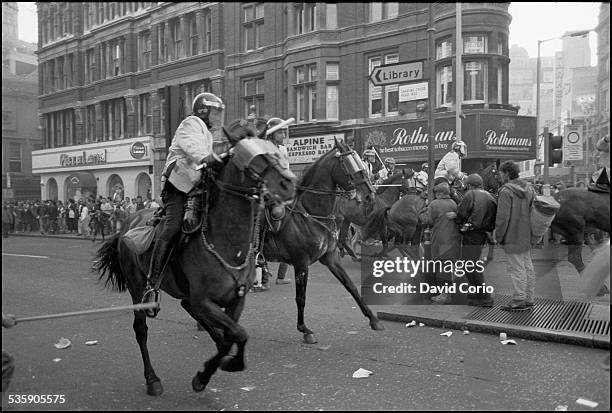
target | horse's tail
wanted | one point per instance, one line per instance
(375, 223)
(106, 264)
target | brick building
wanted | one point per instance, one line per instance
(20, 134)
(116, 78)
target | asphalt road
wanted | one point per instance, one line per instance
(413, 368)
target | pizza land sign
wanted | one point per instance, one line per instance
(308, 149)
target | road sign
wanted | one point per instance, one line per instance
(414, 91)
(397, 73)
(572, 143)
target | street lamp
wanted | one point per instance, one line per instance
(538, 70)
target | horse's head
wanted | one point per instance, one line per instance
(349, 173)
(257, 166)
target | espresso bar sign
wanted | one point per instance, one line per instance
(83, 158)
(308, 149)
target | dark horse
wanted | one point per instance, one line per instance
(214, 268)
(580, 210)
(308, 231)
(491, 178)
(354, 211)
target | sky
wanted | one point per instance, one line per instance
(530, 22)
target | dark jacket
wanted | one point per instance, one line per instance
(445, 236)
(512, 224)
(479, 208)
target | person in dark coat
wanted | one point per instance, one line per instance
(476, 216)
(513, 233)
(445, 236)
(6, 220)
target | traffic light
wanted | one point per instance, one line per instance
(555, 149)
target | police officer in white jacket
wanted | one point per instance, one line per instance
(449, 166)
(191, 146)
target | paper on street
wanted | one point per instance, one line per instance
(91, 342)
(63, 343)
(411, 324)
(508, 342)
(447, 334)
(361, 373)
(587, 403)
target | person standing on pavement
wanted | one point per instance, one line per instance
(476, 217)
(6, 220)
(445, 237)
(83, 229)
(139, 204)
(513, 233)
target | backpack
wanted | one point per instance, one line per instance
(541, 214)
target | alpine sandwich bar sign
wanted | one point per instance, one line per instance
(397, 73)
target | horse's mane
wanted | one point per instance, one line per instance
(309, 172)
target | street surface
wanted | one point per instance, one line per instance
(413, 368)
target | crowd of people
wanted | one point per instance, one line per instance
(85, 217)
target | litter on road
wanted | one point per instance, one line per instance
(447, 334)
(466, 332)
(362, 373)
(561, 408)
(508, 342)
(411, 324)
(91, 342)
(63, 343)
(247, 388)
(587, 403)
(56, 360)
(503, 336)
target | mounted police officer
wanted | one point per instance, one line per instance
(191, 147)
(449, 166)
(388, 170)
(369, 159)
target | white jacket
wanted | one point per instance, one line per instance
(192, 142)
(450, 161)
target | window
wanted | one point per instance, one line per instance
(501, 46)
(14, 157)
(253, 95)
(252, 25)
(331, 15)
(177, 40)
(69, 127)
(306, 92)
(116, 58)
(474, 81)
(306, 17)
(207, 31)
(145, 50)
(193, 35)
(444, 49)
(474, 44)
(332, 102)
(61, 74)
(91, 124)
(381, 11)
(161, 42)
(144, 110)
(384, 100)
(444, 89)
(91, 66)
(103, 60)
(73, 70)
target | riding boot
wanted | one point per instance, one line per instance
(192, 212)
(160, 255)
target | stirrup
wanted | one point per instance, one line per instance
(150, 312)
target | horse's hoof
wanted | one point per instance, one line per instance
(310, 338)
(231, 364)
(196, 384)
(377, 325)
(155, 388)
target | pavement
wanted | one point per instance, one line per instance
(558, 294)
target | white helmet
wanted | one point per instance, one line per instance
(461, 146)
(203, 103)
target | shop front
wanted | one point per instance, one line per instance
(489, 137)
(113, 169)
(305, 150)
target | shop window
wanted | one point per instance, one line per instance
(14, 157)
(252, 26)
(253, 95)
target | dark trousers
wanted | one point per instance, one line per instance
(5, 229)
(174, 201)
(472, 245)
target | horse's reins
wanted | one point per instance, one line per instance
(257, 199)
